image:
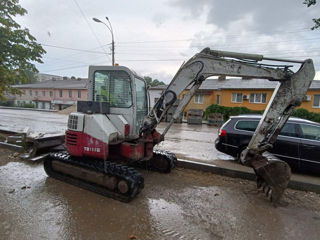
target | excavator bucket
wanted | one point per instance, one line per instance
(273, 176)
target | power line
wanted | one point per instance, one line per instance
(151, 60)
(91, 29)
(286, 41)
(73, 49)
(73, 67)
(157, 41)
(225, 35)
(241, 46)
(221, 45)
(260, 52)
(63, 60)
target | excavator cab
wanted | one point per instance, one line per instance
(109, 122)
(123, 89)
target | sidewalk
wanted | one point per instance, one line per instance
(236, 170)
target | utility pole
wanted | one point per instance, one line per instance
(111, 31)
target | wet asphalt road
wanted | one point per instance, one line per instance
(35, 121)
(184, 204)
(189, 142)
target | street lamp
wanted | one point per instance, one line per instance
(111, 30)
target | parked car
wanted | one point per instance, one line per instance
(298, 143)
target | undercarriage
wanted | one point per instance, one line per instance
(114, 180)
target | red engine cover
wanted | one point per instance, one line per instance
(80, 144)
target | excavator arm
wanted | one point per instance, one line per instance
(272, 175)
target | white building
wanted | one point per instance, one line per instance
(155, 94)
(42, 77)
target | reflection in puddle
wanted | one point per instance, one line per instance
(168, 219)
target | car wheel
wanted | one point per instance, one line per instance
(239, 153)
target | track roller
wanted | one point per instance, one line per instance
(110, 179)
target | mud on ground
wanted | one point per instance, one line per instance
(184, 204)
(68, 110)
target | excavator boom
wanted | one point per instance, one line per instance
(273, 175)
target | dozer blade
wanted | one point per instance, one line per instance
(162, 161)
(103, 177)
(273, 176)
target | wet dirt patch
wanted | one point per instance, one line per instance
(184, 204)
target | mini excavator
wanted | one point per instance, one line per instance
(113, 132)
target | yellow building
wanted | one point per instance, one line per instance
(251, 93)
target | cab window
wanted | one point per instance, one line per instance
(113, 87)
(142, 102)
(141, 92)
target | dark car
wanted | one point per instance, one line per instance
(298, 143)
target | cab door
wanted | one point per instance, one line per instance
(141, 102)
(113, 85)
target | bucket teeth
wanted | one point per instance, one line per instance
(273, 176)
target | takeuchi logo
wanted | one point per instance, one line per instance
(91, 149)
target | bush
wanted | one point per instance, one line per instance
(305, 114)
(28, 105)
(234, 111)
(229, 111)
(7, 103)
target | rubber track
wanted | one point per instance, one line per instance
(165, 155)
(130, 175)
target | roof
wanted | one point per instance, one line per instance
(159, 87)
(57, 84)
(257, 116)
(238, 83)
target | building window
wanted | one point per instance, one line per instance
(79, 94)
(43, 93)
(36, 93)
(198, 98)
(218, 99)
(24, 92)
(51, 94)
(60, 93)
(70, 93)
(258, 98)
(30, 92)
(316, 101)
(236, 97)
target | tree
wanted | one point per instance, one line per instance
(18, 49)
(154, 82)
(32, 76)
(315, 20)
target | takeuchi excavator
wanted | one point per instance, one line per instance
(113, 132)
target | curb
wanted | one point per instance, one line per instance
(30, 109)
(296, 185)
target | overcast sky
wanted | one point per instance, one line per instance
(155, 37)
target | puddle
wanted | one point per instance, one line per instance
(168, 218)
